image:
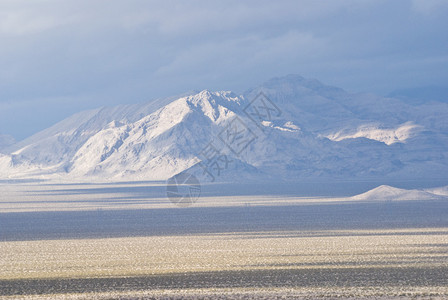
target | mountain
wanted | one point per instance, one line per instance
(6, 141)
(421, 95)
(157, 146)
(389, 193)
(289, 129)
(441, 191)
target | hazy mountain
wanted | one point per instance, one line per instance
(288, 128)
(421, 95)
(6, 141)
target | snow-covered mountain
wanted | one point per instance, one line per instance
(389, 193)
(288, 128)
(441, 191)
(6, 141)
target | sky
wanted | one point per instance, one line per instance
(61, 57)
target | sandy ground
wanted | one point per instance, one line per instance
(79, 242)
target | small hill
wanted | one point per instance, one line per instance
(389, 193)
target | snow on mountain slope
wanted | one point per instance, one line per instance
(307, 103)
(389, 193)
(159, 145)
(288, 128)
(442, 191)
(323, 111)
(388, 136)
(5, 162)
(11, 169)
(327, 110)
(58, 144)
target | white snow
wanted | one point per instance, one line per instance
(288, 126)
(367, 137)
(389, 193)
(149, 148)
(442, 191)
(388, 136)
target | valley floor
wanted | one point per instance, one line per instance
(84, 242)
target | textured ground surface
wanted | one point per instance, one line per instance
(247, 248)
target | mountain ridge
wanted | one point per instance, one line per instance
(289, 128)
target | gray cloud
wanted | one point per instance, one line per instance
(58, 57)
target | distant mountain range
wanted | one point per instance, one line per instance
(422, 94)
(287, 129)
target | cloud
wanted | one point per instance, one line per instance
(428, 7)
(21, 18)
(21, 23)
(124, 51)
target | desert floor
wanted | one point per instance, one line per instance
(128, 241)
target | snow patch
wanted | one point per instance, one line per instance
(388, 136)
(288, 126)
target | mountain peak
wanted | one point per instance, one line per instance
(214, 105)
(225, 96)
